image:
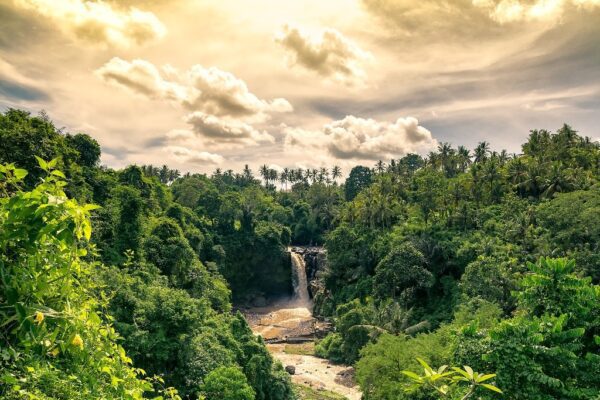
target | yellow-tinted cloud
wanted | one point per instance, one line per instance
(208, 90)
(220, 105)
(142, 77)
(469, 19)
(196, 157)
(98, 21)
(226, 131)
(327, 52)
(507, 11)
(362, 139)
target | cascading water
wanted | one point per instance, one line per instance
(299, 280)
(290, 317)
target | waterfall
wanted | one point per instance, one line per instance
(299, 280)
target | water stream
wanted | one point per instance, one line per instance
(290, 319)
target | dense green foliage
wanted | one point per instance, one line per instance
(482, 259)
(419, 244)
(145, 278)
(57, 342)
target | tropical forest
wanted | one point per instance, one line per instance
(307, 200)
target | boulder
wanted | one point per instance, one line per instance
(290, 369)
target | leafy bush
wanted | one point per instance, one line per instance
(57, 342)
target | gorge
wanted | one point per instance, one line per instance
(289, 328)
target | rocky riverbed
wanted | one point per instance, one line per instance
(318, 373)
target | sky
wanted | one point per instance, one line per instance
(206, 84)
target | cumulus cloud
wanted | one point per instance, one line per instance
(220, 106)
(226, 131)
(222, 93)
(190, 156)
(362, 139)
(327, 52)
(99, 21)
(207, 90)
(142, 77)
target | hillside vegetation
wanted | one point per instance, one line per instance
(120, 283)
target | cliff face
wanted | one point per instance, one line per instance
(315, 259)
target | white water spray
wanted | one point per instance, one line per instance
(299, 280)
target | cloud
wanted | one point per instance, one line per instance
(474, 19)
(221, 108)
(362, 139)
(327, 53)
(226, 131)
(142, 77)
(222, 93)
(411, 20)
(207, 90)
(190, 156)
(508, 11)
(14, 85)
(98, 21)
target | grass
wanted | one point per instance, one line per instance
(308, 393)
(303, 349)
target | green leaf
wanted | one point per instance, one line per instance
(59, 174)
(412, 375)
(87, 230)
(463, 373)
(20, 173)
(90, 207)
(469, 370)
(491, 387)
(484, 378)
(424, 364)
(43, 164)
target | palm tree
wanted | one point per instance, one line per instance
(491, 172)
(464, 158)
(299, 175)
(174, 174)
(538, 142)
(534, 180)
(321, 175)
(163, 174)
(314, 172)
(324, 174)
(557, 180)
(476, 186)
(392, 166)
(481, 151)
(273, 175)
(433, 160)
(283, 177)
(517, 172)
(307, 175)
(264, 172)
(503, 157)
(247, 173)
(445, 156)
(336, 172)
